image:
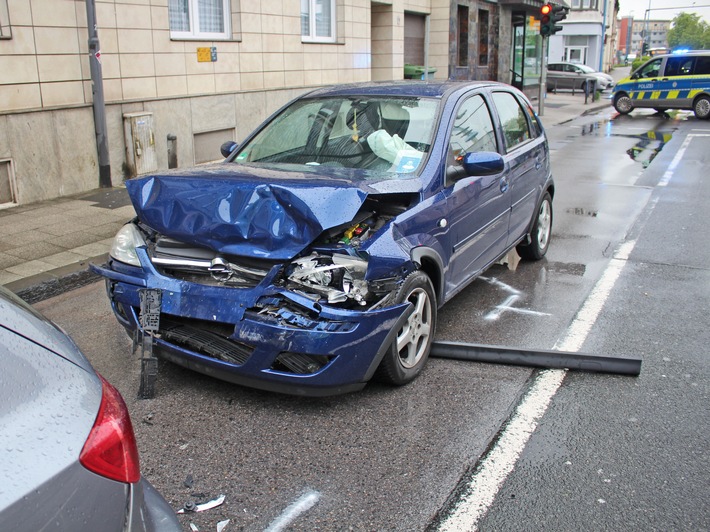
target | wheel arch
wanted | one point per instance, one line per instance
(550, 189)
(431, 263)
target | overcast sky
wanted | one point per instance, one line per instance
(637, 8)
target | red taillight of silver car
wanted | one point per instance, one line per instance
(111, 450)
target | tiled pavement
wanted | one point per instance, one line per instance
(42, 243)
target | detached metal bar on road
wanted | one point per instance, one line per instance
(536, 358)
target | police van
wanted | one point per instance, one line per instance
(671, 81)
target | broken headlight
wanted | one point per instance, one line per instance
(336, 277)
(125, 243)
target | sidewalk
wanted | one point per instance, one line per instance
(46, 247)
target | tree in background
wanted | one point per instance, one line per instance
(688, 30)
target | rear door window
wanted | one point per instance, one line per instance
(679, 66)
(702, 65)
(512, 119)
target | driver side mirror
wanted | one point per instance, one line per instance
(477, 164)
(227, 148)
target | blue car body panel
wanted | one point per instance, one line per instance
(276, 214)
(251, 211)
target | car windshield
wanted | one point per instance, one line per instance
(586, 68)
(380, 134)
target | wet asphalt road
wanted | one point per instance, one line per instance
(610, 453)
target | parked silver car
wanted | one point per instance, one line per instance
(70, 460)
(574, 76)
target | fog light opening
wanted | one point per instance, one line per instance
(300, 363)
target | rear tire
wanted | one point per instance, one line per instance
(540, 232)
(701, 107)
(409, 352)
(623, 104)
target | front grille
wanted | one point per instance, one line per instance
(206, 338)
(204, 266)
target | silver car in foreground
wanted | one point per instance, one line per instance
(69, 455)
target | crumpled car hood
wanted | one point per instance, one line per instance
(246, 211)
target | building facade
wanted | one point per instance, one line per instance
(653, 31)
(588, 36)
(179, 77)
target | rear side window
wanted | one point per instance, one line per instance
(702, 65)
(679, 66)
(535, 127)
(512, 119)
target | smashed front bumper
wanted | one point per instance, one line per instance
(306, 348)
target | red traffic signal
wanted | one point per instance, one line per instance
(545, 25)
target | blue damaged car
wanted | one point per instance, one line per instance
(317, 254)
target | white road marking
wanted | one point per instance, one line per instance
(507, 305)
(668, 174)
(499, 461)
(301, 505)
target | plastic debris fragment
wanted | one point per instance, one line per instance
(204, 506)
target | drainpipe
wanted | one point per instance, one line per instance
(601, 59)
(427, 26)
(97, 89)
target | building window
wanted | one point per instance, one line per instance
(482, 37)
(584, 4)
(462, 27)
(5, 32)
(206, 20)
(318, 20)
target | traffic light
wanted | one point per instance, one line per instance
(545, 25)
(549, 17)
(559, 13)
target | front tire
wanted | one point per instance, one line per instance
(701, 107)
(623, 104)
(409, 352)
(540, 232)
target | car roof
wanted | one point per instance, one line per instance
(684, 54)
(411, 88)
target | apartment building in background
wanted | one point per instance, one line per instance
(180, 77)
(657, 34)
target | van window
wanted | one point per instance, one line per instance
(702, 65)
(651, 69)
(679, 66)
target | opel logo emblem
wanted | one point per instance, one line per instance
(220, 270)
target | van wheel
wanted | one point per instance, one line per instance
(409, 352)
(623, 104)
(701, 107)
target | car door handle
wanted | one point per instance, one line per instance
(504, 184)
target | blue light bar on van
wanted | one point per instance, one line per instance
(681, 51)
